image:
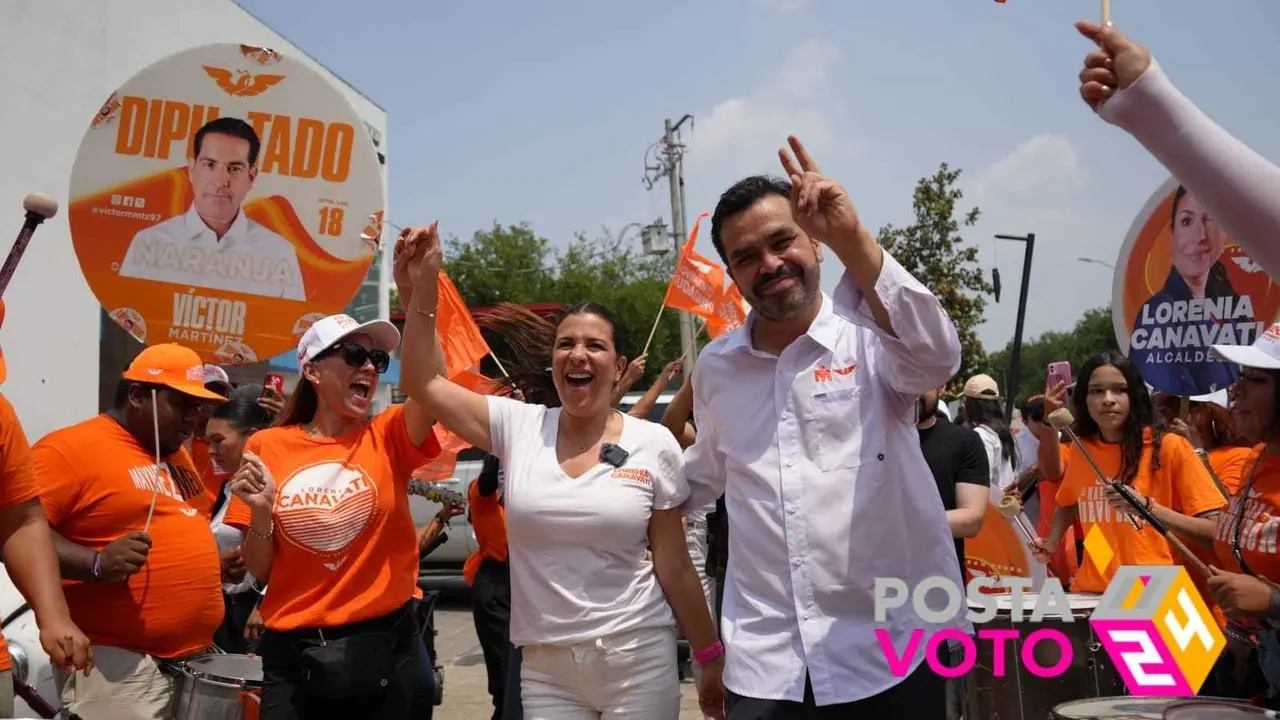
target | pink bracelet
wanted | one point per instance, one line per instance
(707, 654)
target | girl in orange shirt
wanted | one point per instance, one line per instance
(1115, 420)
(323, 498)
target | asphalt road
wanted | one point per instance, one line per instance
(466, 694)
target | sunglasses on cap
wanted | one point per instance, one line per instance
(356, 355)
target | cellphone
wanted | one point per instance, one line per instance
(273, 383)
(1059, 372)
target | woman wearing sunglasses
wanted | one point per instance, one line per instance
(323, 500)
(1246, 540)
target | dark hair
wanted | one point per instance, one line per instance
(302, 405)
(243, 411)
(1142, 414)
(739, 198)
(532, 340)
(233, 126)
(1217, 285)
(1032, 408)
(1222, 429)
(987, 411)
(121, 397)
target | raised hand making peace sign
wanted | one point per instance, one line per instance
(821, 206)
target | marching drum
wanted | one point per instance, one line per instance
(219, 687)
(1159, 708)
(1205, 709)
(1020, 694)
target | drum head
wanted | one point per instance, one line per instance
(1114, 708)
(1215, 710)
(245, 669)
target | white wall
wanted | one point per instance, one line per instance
(59, 59)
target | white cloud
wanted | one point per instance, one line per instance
(1041, 186)
(781, 6)
(741, 135)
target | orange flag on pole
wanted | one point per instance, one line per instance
(696, 285)
(460, 337)
(731, 312)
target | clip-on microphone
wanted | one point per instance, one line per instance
(613, 455)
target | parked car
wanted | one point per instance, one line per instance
(448, 558)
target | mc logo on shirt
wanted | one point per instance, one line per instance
(325, 507)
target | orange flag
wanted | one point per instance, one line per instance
(442, 466)
(697, 282)
(460, 337)
(731, 312)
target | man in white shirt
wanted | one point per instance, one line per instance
(807, 424)
(213, 245)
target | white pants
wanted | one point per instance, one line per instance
(696, 538)
(629, 675)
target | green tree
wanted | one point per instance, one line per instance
(932, 250)
(513, 263)
(1092, 334)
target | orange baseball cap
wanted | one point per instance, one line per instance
(174, 367)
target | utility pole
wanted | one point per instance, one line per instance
(671, 159)
(1015, 357)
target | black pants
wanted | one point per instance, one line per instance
(229, 636)
(491, 611)
(922, 695)
(284, 694)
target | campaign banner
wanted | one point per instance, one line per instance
(225, 198)
(1181, 286)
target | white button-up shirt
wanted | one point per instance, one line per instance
(249, 258)
(826, 489)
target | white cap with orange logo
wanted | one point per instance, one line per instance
(1263, 354)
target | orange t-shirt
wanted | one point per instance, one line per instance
(1261, 520)
(345, 544)
(1229, 465)
(17, 481)
(1181, 484)
(489, 520)
(96, 483)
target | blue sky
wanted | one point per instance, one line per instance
(542, 111)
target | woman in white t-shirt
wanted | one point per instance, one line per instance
(983, 413)
(588, 490)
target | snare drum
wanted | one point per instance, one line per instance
(1020, 694)
(219, 687)
(1205, 709)
(1159, 708)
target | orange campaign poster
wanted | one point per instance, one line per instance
(1181, 285)
(225, 198)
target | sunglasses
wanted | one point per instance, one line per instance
(355, 355)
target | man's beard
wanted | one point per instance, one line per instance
(925, 410)
(794, 301)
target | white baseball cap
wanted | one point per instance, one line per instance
(214, 375)
(1263, 354)
(327, 332)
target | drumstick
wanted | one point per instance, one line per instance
(1106, 13)
(155, 491)
(1061, 420)
(39, 207)
(1012, 510)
